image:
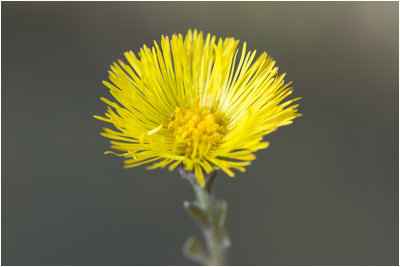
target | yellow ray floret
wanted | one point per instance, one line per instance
(194, 101)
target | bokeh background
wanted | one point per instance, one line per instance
(324, 193)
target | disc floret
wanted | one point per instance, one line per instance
(196, 126)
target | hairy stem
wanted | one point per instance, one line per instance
(210, 215)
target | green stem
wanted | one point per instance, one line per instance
(210, 215)
(212, 233)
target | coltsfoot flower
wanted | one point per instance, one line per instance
(188, 102)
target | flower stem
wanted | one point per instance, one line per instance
(210, 214)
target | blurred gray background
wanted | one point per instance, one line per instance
(324, 193)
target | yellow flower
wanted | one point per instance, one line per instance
(188, 102)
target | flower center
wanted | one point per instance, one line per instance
(196, 126)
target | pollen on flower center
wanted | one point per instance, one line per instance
(196, 126)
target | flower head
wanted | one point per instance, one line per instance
(195, 101)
